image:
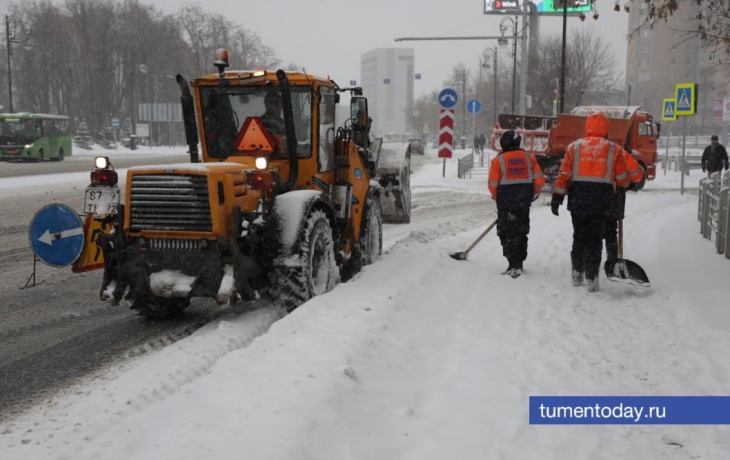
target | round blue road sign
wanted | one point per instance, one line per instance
(56, 235)
(448, 98)
(474, 106)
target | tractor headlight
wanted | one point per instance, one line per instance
(261, 163)
(101, 162)
(28, 146)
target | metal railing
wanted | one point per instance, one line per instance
(465, 165)
(693, 142)
(713, 211)
(672, 161)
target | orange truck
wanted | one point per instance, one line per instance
(549, 137)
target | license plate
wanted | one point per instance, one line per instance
(101, 200)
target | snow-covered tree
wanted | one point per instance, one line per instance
(107, 139)
(83, 139)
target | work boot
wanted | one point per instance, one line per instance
(509, 269)
(592, 284)
(577, 278)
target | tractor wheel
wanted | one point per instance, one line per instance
(160, 307)
(315, 271)
(371, 235)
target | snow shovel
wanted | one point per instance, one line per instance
(465, 254)
(623, 270)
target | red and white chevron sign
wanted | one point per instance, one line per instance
(446, 133)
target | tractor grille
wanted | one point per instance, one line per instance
(170, 202)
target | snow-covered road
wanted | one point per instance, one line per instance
(425, 357)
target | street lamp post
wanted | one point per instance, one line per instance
(506, 23)
(9, 40)
(485, 65)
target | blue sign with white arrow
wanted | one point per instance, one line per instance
(56, 235)
(474, 106)
(448, 98)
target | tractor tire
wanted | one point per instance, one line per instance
(371, 234)
(316, 271)
(160, 307)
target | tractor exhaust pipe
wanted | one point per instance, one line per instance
(291, 136)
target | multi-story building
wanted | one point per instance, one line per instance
(387, 81)
(669, 53)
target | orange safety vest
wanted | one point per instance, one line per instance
(595, 160)
(512, 168)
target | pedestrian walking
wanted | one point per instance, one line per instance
(714, 157)
(592, 166)
(515, 181)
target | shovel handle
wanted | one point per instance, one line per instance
(491, 226)
(621, 207)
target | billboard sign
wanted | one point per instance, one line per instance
(543, 7)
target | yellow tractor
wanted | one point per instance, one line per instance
(286, 200)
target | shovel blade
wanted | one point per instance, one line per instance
(459, 256)
(626, 271)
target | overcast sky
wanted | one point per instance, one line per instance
(327, 37)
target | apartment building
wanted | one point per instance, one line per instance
(669, 53)
(387, 81)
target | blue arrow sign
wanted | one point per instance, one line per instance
(474, 106)
(56, 235)
(448, 98)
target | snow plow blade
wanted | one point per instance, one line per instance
(626, 271)
(393, 173)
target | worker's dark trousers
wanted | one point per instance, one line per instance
(513, 226)
(586, 254)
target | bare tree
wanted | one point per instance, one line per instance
(590, 72)
(88, 54)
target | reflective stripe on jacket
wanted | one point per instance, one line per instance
(590, 168)
(514, 177)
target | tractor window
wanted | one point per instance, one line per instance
(226, 108)
(327, 125)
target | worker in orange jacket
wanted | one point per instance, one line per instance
(610, 227)
(515, 181)
(588, 172)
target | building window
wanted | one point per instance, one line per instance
(674, 48)
(707, 57)
(673, 77)
(645, 33)
(688, 76)
(690, 61)
(645, 62)
(673, 61)
(644, 76)
(644, 47)
(676, 33)
(691, 47)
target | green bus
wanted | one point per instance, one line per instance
(34, 137)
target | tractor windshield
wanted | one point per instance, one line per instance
(226, 108)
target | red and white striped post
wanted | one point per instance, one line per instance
(446, 135)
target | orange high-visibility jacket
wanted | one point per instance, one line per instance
(636, 172)
(514, 177)
(591, 167)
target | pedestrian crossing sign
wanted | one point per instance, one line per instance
(685, 95)
(668, 112)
